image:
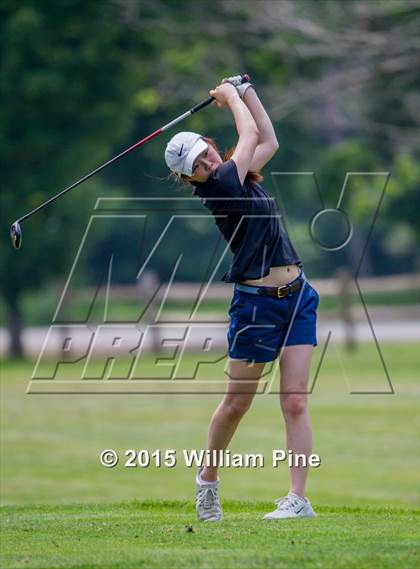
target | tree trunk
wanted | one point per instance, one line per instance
(15, 327)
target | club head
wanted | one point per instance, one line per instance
(16, 235)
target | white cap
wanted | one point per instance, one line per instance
(182, 150)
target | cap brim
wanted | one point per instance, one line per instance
(197, 149)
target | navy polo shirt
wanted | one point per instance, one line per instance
(249, 220)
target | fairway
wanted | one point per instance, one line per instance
(166, 534)
(61, 508)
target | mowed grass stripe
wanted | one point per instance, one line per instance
(181, 505)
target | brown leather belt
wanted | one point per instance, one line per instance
(274, 291)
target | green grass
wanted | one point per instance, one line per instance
(366, 489)
(166, 534)
(368, 443)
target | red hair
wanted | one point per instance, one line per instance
(252, 175)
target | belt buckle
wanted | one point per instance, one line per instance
(282, 293)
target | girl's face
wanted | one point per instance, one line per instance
(205, 163)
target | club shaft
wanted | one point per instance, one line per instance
(121, 155)
(125, 152)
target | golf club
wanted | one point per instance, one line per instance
(16, 230)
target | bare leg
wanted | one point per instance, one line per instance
(242, 386)
(295, 363)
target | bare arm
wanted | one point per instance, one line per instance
(267, 143)
(248, 137)
(226, 95)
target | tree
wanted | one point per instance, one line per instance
(65, 85)
(338, 79)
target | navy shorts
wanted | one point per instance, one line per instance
(261, 325)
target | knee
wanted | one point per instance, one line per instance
(293, 405)
(235, 407)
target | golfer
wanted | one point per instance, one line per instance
(273, 309)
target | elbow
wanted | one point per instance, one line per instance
(272, 148)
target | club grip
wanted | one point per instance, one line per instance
(245, 79)
(202, 105)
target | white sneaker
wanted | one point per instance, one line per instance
(207, 503)
(291, 506)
